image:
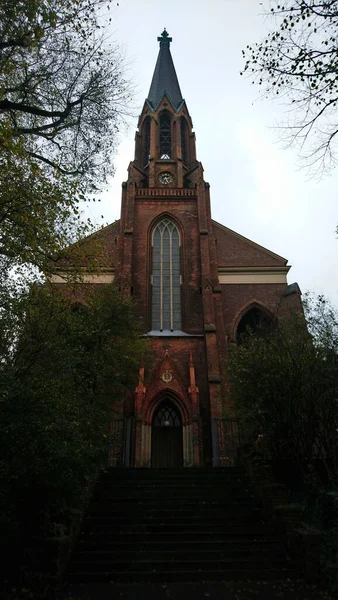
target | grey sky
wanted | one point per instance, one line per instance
(257, 188)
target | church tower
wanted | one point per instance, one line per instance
(196, 284)
(168, 263)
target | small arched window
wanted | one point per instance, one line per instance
(165, 135)
(166, 277)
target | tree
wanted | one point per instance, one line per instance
(284, 385)
(64, 367)
(299, 59)
(62, 96)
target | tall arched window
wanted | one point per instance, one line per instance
(165, 135)
(166, 277)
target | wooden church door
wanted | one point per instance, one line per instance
(166, 437)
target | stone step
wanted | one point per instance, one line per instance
(168, 576)
(175, 482)
(104, 556)
(166, 535)
(213, 473)
(109, 511)
(158, 525)
(175, 479)
(210, 516)
(139, 473)
(173, 490)
(174, 526)
(198, 571)
(122, 563)
(136, 499)
(151, 534)
(267, 542)
(187, 496)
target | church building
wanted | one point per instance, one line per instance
(197, 285)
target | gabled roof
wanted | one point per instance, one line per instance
(234, 249)
(99, 247)
(164, 79)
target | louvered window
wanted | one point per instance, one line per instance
(184, 140)
(146, 142)
(165, 136)
(166, 277)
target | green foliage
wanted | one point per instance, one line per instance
(38, 215)
(298, 58)
(63, 370)
(62, 97)
(284, 386)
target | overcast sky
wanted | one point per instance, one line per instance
(257, 188)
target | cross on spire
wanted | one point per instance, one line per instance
(164, 38)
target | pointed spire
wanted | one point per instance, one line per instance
(164, 79)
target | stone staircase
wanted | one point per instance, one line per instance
(176, 525)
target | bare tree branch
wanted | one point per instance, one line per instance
(299, 59)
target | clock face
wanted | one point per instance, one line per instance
(166, 178)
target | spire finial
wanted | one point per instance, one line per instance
(164, 38)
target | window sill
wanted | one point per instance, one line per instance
(174, 333)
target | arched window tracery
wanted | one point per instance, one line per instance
(167, 416)
(166, 277)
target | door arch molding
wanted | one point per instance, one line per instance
(144, 429)
(176, 400)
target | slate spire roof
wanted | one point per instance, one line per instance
(164, 79)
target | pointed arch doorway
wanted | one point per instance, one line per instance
(167, 436)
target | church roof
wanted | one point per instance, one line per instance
(164, 79)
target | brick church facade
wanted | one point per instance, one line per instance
(196, 284)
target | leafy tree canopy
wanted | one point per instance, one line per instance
(284, 385)
(299, 59)
(62, 96)
(64, 368)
